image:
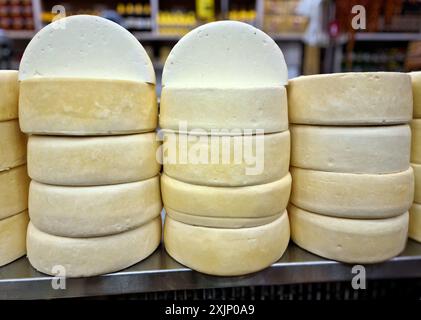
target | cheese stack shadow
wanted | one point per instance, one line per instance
(14, 180)
(90, 110)
(226, 180)
(350, 149)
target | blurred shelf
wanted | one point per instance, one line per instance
(387, 36)
(19, 34)
(287, 37)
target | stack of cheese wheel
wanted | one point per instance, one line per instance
(87, 97)
(350, 150)
(14, 181)
(220, 80)
(415, 211)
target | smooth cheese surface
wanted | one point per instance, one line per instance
(256, 201)
(349, 240)
(416, 141)
(104, 50)
(86, 106)
(417, 176)
(9, 94)
(416, 92)
(14, 185)
(226, 160)
(350, 98)
(84, 257)
(12, 145)
(364, 196)
(415, 222)
(13, 237)
(224, 108)
(225, 53)
(82, 212)
(383, 149)
(87, 161)
(226, 252)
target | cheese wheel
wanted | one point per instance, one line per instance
(9, 93)
(211, 109)
(226, 252)
(12, 237)
(348, 195)
(416, 141)
(84, 257)
(350, 98)
(383, 149)
(77, 106)
(226, 160)
(87, 161)
(12, 145)
(349, 240)
(225, 54)
(14, 184)
(81, 212)
(415, 222)
(83, 46)
(416, 92)
(417, 175)
(255, 201)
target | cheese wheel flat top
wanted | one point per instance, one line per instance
(226, 252)
(417, 175)
(416, 141)
(383, 149)
(14, 185)
(9, 94)
(415, 222)
(416, 92)
(350, 98)
(12, 145)
(84, 46)
(13, 237)
(84, 257)
(225, 54)
(349, 240)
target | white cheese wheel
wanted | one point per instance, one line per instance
(348, 195)
(225, 54)
(224, 161)
(224, 108)
(349, 240)
(12, 145)
(87, 161)
(416, 141)
(84, 257)
(415, 222)
(9, 94)
(13, 237)
(255, 201)
(226, 252)
(84, 46)
(350, 98)
(14, 184)
(383, 149)
(81, 212)
(86, 106)
(416, 92)
(417, 175)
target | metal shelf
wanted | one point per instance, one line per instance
(387, 36)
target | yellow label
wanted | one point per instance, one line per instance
(205, 9)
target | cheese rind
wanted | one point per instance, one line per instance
(226, 252)
(347, 195)
(86, 106)
(14, 185)
(349, 240)
(416, 141)
(12, 237)
(256, 201)
(417, 176)
(9, 93)
(84, 257)
(416, 92)
(224, 108)
(383, 149)
(80, 212)
(350, 98)
(88, 161)
(415, 222)
(12, 145)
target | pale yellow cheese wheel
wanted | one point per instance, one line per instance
(226, 252)
(348, 195)
(415, 222)
(12, 145)
(416, 141)
(416, 92)
(9, 94)
(417, 176)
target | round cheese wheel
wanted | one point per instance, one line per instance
(226, 252)
(87, 161)
(416, 141)
(212, 109)
(349, 240)
(12, 145)
(14, 184)
(355, 98)
(255, 201)
(416, 92)
(9, 94)
(226, 160)
(383, 149)
(348, 195)
(81, 212)
(417, 175)
(415, 222)
(83, 257)
(12, 237)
